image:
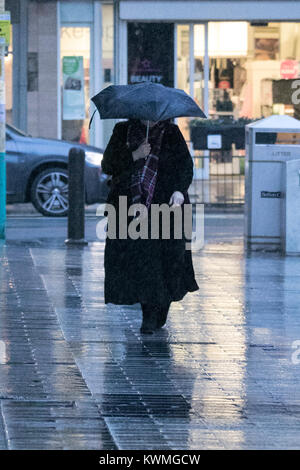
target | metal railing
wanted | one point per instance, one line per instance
(219, 179)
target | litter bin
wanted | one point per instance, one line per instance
(270, 143)
(290, 206)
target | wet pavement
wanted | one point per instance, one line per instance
(77, 374)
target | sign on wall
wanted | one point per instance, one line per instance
(73, 88)
(214, 141)
(151, 53)
(289, 69)
(5, 26)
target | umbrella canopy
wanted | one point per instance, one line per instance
(147, 101)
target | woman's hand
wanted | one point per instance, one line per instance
(142, 151)
(176, 199)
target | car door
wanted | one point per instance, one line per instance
(14, 165)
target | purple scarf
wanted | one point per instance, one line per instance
(144, 177)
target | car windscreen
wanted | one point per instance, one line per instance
(15, 130)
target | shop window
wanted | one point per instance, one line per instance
(75, 72)
(107, 61)
(8, 64)
(151, 53)
(227, 74)
(253, 77)
(191, 83)
(108, 44)
(198, 64)
(183, 70)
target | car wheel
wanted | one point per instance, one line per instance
(49, 192)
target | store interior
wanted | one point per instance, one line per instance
(251, 67)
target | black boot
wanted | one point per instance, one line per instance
(162, 315)
(149, 323)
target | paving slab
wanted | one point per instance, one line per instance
(77, 374)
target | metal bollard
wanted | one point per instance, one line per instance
(76, 197)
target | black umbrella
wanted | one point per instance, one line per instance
(147, 101)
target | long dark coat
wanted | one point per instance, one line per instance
(148, 270)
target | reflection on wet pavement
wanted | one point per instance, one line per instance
(77, 374)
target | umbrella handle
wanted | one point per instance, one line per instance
(147, 133)
(90, 123)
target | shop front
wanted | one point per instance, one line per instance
(238, 60)
(85, 66)
(70, 57)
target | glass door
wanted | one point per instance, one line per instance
(183, 70)
(192, 77)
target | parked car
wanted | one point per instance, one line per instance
(37, 172)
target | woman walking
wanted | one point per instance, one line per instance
(151, 271)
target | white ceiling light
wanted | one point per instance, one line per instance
(225, 39)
